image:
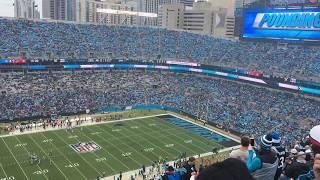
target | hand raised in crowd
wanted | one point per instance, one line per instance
(316, 166)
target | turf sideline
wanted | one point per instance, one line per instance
(205, 127)
(127, 175)
(89, 118)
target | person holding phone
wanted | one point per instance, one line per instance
(262, 162)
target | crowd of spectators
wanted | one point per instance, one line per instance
(233, 105)
(270, 159)
(247, 109)
(69, 40)
(265, 160)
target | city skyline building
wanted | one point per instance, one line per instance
(59, 9)
(27, 9)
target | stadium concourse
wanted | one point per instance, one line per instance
(56, 40)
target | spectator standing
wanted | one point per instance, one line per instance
(190, 168)
(263, 163)
(172, 174)
(281, 153)
(297, 167)
(241, 153)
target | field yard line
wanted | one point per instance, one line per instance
(100, 157)
(177, 142)
(15, 159)
(39, 129)
(78, 154)
(28, 153)
(164, 136)
(152, 144)
(112, 154)
(65, 156)
(122, 151)
(128, 137)
(3, 170)
(49, 157)
(124, 137)
(236, 140)
(136, 135)
(189, 135)
(156, 145)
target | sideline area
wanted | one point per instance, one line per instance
(38, 127)
(150, 172)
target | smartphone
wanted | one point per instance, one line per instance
(252, 142)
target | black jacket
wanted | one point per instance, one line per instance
(190, 169)
(296, 169)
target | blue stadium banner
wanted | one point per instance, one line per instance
(282, 24)
(37, 67)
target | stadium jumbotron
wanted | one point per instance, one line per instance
(111, 90)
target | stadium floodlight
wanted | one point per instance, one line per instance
(130, 13)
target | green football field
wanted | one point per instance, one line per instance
(120, 146)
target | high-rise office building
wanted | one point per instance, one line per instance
(151, 6)
(201, 18)
(171, 16)
(26, 9)
(59, 9)
(88, 11)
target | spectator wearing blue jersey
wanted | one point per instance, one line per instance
(172, 174)
(263, 162)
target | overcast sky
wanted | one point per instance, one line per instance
(6, 7)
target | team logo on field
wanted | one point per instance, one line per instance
(85, 147)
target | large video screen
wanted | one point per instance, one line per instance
(282, 24)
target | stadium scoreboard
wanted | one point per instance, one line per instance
(301, 25)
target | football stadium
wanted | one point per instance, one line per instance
(189, 90)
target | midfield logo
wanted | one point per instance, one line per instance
(85, 147)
